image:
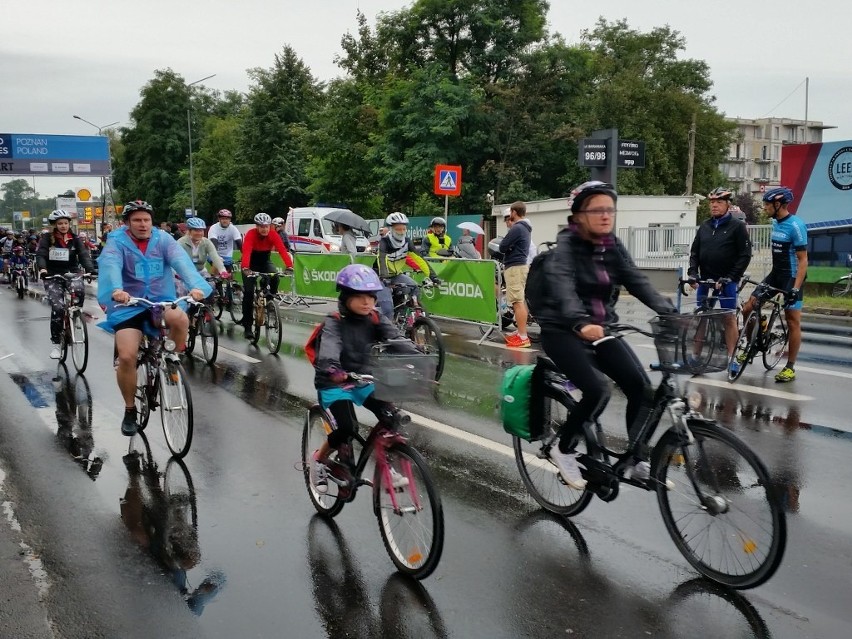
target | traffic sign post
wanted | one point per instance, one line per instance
(448, 181)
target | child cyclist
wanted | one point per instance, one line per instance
(344, 347)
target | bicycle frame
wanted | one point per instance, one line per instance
(408, 310)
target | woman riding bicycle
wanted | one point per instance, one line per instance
(200, 250)
(61, 252)
(589, 267)
(345, 342)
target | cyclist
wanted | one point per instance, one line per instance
(137, 262)
(18, 259)
(226, 237)
(394, 250)
(61, 252)
(789, 269)
(200, 249)
(257, 249)
(436, 243)
(344, 348)
(589, 265)
(721, 251)
(278, 227)
(515, 248)
(6, 245)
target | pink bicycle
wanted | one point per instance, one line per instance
(405, 498)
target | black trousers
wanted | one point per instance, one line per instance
(586, 367)
(56, 296)
(249, 286)
(343, 412)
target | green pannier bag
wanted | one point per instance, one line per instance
(522, 401)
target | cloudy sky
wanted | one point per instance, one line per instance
(91, 57)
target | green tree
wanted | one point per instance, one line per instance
(18, 195)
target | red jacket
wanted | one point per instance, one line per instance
(254, 242)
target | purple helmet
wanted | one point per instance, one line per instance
(358, 278)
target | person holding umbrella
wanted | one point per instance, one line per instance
(345, 221)
(465, 248)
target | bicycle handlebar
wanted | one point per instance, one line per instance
(767, 286)
(134, 301)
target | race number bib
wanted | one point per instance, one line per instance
(154, 269)
(58, 254)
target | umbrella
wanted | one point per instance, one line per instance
(472, 227)
(348, 218)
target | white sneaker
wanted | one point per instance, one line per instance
(568, 467)
(318, 475)
(641, 471)
(398, 480)
(55, 353)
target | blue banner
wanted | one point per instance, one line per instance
(36, 154)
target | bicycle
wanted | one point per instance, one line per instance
(229, 295)
(768, 336)
(843, 286)
(74, 335)
(412, 321)
(20, 280)
(714, 493)
(409, 513)
(266, 314)
(161, 380)
(202, 323)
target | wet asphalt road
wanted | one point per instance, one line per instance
(263, 565)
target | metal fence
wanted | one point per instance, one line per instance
(668, 247)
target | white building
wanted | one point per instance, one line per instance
(754, 158)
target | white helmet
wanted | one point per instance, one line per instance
(58, 215)
(396, 218)
(278, 220)
(262, 218)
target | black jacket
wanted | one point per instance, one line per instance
(585, 279)
(721, 248)
(515, 247)
(345, 344)
(77, 254)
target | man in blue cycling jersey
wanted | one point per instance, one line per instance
(789, 268)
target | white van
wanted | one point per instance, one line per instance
(310, 232)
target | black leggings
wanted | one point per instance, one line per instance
(584, 365)
(343, 412)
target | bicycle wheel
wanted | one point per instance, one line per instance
(22, 287)
(176, 408)
(411, 519)
(776, 338)
(733, 532)
(179, 492)
(426, 334)
(143, 406)
(273, 328)
(746, 346)
(79, 338)
(315, 432)
(219, 304)
(540, 475)
(235, 301)
(700, 342)
(842, 287)
(209, 335)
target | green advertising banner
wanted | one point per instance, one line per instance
(315, 275)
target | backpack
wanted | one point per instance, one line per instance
(522, 401)
(312, 346)
(537, 287)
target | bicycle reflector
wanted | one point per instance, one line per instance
(169, 345)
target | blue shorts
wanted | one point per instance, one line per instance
(356, 394)
(726, 295)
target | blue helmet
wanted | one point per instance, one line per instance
(779, 194)
(196, 223)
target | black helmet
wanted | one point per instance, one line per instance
(136, 205)
(588, 189)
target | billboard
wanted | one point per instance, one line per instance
(821, 178)
(54, 155)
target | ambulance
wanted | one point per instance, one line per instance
(310, 232)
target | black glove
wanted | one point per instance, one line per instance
(386, 281)
(792, 296)
(435, 280)
(723, 281)
(42, 275)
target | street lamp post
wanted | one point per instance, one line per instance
(189, 135)
(103, 179)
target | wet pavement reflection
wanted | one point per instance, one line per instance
(74, 413)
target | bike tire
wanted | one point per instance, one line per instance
(777, 335)
(79, 336)
(413, 533)
(426, 334)
(700, 331)
(143, 406)
(842, 287)
(738, 495)
(746, 345)
(314, 433)
(219, 304)
(273, 327)
(235, 302)
(176, 409)
(22, 287)
(209, 335)
(540, 475)
(179, 493)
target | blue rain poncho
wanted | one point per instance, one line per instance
(122, 265)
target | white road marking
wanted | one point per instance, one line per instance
(245, 358)
(6, 356)
(755, 390)
(478, 440)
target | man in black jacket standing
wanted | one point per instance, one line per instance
(721, 251)
(515, 248)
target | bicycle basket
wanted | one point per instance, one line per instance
(403, 377)
(691, 344)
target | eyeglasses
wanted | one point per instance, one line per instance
(601, 211)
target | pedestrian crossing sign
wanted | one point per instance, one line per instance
(447, 179)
